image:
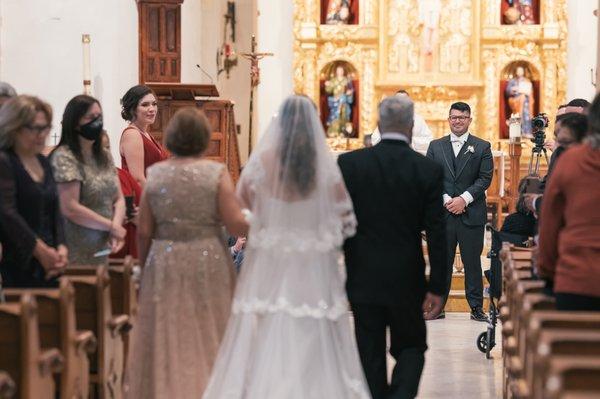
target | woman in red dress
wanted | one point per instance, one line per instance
(131, 189)
(139, 150)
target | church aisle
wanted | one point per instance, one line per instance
(454, 368)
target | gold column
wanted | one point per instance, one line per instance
(549, 92)
(490, 108)
(368, 102)
(310, 73)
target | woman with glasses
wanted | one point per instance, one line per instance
(89, 190)
(31, 225)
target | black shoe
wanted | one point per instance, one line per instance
(477, 314)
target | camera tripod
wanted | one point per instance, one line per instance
(534, 166)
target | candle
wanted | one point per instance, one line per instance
(514, 127)
(87, 71)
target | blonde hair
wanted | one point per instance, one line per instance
(17, 113)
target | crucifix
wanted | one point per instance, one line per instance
(254, 57)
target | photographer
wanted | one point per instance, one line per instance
(524, 221)
(571, 129)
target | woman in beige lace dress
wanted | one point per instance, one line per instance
(188, 277)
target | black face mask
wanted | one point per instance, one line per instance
(92, 130)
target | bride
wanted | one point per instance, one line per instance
(289, 334)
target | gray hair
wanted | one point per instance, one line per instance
(6, 90)
(396, 114)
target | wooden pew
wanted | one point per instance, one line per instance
(518, 282)
(572, 377)
(555, 343)
(56, 308)
(122, 287)
(94, 312)
(513, 363)
(8, 388)
(22, 356)
(544, 321)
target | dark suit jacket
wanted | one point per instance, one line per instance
(397, 193)
(25, 207)
(473, 173)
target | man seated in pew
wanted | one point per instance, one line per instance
(569, 248)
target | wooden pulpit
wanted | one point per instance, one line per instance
(223, 145)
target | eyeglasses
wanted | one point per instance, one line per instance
(461, 118)
(37, 129)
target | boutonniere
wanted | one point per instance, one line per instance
(470, 149)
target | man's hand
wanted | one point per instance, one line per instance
(432, 306)
(456, 205)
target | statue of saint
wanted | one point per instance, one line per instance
(338, 12)
(519, 12)
(526, 8)
(429, 20)
(340, 98)
(519, 95)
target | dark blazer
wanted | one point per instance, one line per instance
(28, 211)
(397, 193)
(470, 171)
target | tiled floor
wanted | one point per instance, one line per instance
(454, 367)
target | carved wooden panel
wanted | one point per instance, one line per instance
(160, 40)
(223, 145)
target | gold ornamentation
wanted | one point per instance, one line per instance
(469, 59)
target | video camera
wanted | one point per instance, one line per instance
(539, 125)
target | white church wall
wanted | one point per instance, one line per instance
(41, 52)
(192, 36)
(581, 48)
(275, 34)
(237, 86)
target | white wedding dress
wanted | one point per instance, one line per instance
(289, 335)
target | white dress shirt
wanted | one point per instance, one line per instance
(421, 135)
(457, 144)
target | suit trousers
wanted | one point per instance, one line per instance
(408, 345)
(470, 242)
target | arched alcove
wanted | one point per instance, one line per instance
(513, 97)
(339, 91)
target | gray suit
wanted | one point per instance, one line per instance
(469, 171)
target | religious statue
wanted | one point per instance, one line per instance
(519, 12)
(519, 95)
(526, 7)
(338, 12)
(429, 20)
(340, 98)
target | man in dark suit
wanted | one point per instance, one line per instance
(397, 193)
(468, 165)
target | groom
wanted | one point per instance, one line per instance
(396, 193)
(468, 165)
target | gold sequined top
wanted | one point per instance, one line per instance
(98, 192)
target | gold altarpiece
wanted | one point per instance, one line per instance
(471, 55)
